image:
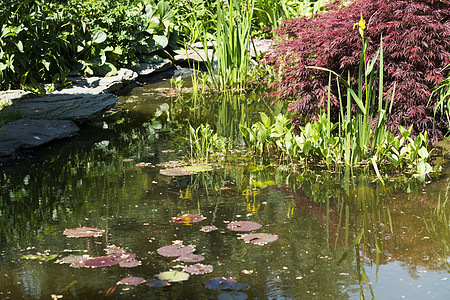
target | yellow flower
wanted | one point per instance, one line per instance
(361, 23)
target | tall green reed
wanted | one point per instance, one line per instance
(232, 43)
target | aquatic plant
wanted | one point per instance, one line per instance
(203, 143)
(415, 52)
(232, 42)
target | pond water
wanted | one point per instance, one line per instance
(340, 236)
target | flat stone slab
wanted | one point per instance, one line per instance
(28, 133)
(98, 85)
(62, 106)
(145, 69)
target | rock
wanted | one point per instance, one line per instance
(197, 55)
(58, 106)
(6, 97)
(28, 133)
(145, 69)
(99, 85)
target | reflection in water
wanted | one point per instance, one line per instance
(340, 235)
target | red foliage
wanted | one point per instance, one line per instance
(416, 45)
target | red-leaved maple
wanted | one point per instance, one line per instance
(416, 44)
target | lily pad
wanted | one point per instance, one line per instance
(175, 172)
(157, 283)
(176, 250)
(232, 296)
(243, 226)
(99, 262)
(131, 281)
(188, 218)
(173, 276)
(191, 258)
(130, 263)
(208, 228)
(198, 168)
(199, 269)
(82, 232)
(260, 238)
(170, 164)
(70, 259)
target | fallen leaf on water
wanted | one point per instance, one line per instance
(199, 269)
(127, 159)
(143, 164)
(244, 226)
(131, 281)
(173, 276)
(188, 218)
(247, 272)
(208, 228)
(260, 238)
(82, 232)
(175, 250)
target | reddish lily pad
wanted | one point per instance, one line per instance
(243, 226)
(191, 258)
(113, 250)
(260, 238)
(188, 218)
(82, 232)
(176, 250)
(173, 276)
(127, 159)
(99, 262)
(131, 281)
(199, 269)
(157, 283)
(130, 263)
(208, 228)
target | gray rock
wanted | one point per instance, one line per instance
(145, 69)
(98, 85)
(6, 97)
(62, 106)
(27, 133)
(197, 55)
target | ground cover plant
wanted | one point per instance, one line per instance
(415, 35)
(45, 42)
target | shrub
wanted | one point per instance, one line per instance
(416, 41)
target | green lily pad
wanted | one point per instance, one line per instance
(198, 168)
(173, 276)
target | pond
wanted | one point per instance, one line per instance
(338, 236)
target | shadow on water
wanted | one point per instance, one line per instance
(340, 236)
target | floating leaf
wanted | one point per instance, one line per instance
(174, 172)
(188, 218)
(199, 269)
(198, 168)
(170, 164)
(157, 283)
(131, 281)
(72, 259)
(173, 276)
(243, 226)
(113, 250)
(190, 258)
(99, 262)
(260, 238)
(176, 250)
(232, 296)
(129, 263)
(42, 257)
(127, 159)
(143, 164)
(83, 232)
(208, 228)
